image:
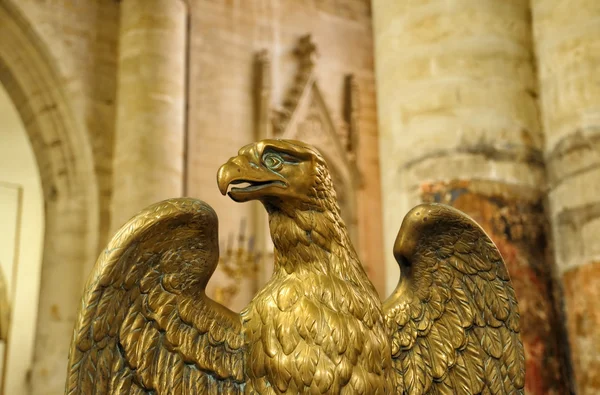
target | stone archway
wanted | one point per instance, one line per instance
(64, 158)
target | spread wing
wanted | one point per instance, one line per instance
(145, 324)
(453, 317)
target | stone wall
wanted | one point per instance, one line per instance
(567, 44)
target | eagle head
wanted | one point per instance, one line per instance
(279, 173)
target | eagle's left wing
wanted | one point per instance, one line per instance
(146, 325)
(453, 317)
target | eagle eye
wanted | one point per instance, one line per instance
(272, 161)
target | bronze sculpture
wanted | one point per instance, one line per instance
(146, 325)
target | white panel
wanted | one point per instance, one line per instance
(18, 167)
(9, 212)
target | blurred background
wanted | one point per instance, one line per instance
(492, 106)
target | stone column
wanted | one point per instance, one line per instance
(149, 141)
(567, 43)
(458, 123)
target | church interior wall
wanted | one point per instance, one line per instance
(567, 45)
(460, 124)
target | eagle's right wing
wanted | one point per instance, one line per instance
(453, 316)
(146, 325)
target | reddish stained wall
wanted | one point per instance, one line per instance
(582, 293)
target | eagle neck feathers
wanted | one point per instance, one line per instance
(314, 239)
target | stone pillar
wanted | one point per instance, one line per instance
(149, 141)
(458, 123)
(567, 43)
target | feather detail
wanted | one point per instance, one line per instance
(130, 337)
(416, 370)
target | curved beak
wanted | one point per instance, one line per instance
(240, 169)
(227, 174)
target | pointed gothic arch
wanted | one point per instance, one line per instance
(312, 123)
(64, 156)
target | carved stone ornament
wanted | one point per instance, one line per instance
(318, 326)
(305, 116)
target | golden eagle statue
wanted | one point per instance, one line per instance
(146, 325)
